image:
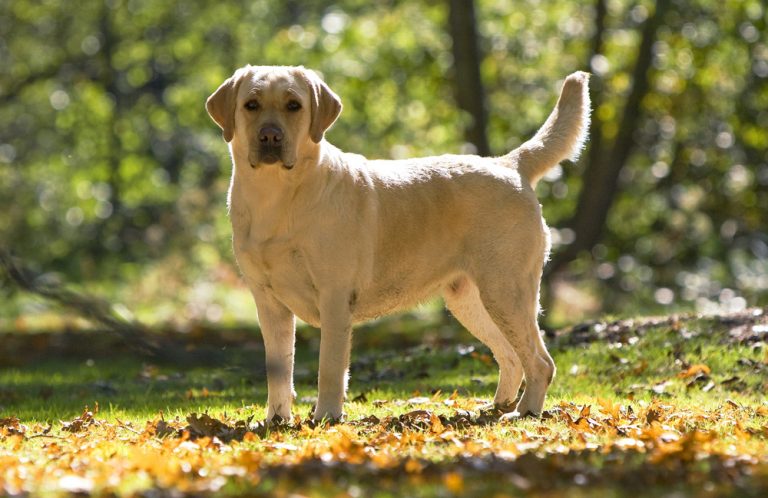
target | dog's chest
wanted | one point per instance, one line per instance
(277, 265)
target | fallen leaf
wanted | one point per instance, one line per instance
(436, 425)
(80, 423)
(418, 400)
(734, 383)
(205, 426)
(585, 411)
(454, 482)
(483, 357)
(694, 370)
(360, 398)
(12, 426)
(413, 466)
(160, 428)
(640, 367)
(610, 408)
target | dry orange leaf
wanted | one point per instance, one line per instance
(454, 482)
(695, 370)
(413, 466)
(609, 408)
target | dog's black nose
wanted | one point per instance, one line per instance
(271, 135)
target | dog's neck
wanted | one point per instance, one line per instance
(269, 185)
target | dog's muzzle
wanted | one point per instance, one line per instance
(271, 145)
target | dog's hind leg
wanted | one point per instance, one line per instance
(513, 307)
(463, 300)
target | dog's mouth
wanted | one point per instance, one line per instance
(269, 155)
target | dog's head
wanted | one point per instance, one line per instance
(273, 114)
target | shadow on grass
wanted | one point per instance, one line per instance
(48, 377)
(53, 376)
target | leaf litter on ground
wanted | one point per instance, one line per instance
(451, 442)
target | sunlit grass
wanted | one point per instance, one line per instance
(393, 380)
(128, 386)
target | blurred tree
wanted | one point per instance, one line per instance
(605, 162)
(470, 94)
(111, 173)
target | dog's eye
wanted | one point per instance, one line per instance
(251, 105)
(293, 106)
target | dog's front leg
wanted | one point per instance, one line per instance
(278, 327)
(335, 346)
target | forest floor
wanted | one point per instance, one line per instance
(651, 406)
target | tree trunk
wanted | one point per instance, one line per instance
(601, 177)
(109, 81)
(470, 95)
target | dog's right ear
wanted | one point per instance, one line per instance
(221, 104)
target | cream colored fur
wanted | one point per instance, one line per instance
(335, 238)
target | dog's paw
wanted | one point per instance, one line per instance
(510, 416)
(279, 408)
(516, 415)
(497, 409)
(528, 409)
(324, 422)
(328, 417)
(278, 421)
(504, 406)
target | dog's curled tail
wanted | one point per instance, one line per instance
(563, 134)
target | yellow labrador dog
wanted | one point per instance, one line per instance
(335, 238)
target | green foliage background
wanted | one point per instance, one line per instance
(112, 175)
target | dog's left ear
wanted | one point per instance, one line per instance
(326, 105)
(221, 104)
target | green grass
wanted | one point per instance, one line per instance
(636, 367)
